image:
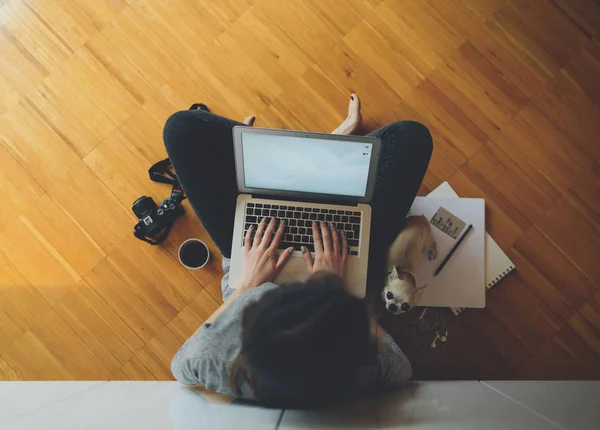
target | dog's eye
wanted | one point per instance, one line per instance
(405, 307)
(389, 296)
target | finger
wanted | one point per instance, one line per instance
(307, 259)
(335, 239)
(278, 236)
(248, 238)
(344, 249)
(317, 238)
(259, 233)
(283, 258)
(268, 234)
(326, 233)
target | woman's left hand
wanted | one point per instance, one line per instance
(261, 263)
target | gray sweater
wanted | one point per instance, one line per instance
(207, 356)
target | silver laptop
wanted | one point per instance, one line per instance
(301, 177)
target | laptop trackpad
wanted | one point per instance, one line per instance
(294, 270)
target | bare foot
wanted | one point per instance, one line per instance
(249, 120)
(353, 121)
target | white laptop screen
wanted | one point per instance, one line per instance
(308, 165)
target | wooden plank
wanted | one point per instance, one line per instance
(311, 31)
(375, 51)
(417, 31)
(30, 358)
(135, 38)
(566, 105)
(527, 190)
(64, 20)
(20, 68)
(19, 300)
(59, 347)
(119, 66)
(585, 191)
(159, 280)
(446, 158)
(25, 29)
(186, 27)
(580, 244)
(61, 231)
(543, 260)
(440, 113)
(158, 353)
(22, 130)
(586, 323)
(18, 188)
(541, 29)
(100, 13)
(585, 14)
(10, 331)
(535, 143)
(7, 373)
(52, 275)
(566, 356)
(503, 221)
(491, 38)
(102, 330)
(124, 170)
(8, 95)
(85, 199)
(101, 86)
(478, 88)
(124, 299)
(190, 318)
(353, 74)
(584, 68)
(134, 370)
(316, 101)
(523, 313)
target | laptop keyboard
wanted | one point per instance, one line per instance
(299, 219)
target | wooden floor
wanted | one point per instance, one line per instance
(509, 89)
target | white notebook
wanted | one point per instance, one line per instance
(497, 263)
(460, 283)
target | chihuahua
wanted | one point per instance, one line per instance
(401, 292)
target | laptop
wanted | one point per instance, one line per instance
(299, 177)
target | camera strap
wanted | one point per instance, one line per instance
(161, 172)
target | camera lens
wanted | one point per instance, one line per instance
(143, 206)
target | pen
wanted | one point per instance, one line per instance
(453, 250)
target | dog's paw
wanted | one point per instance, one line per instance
(432, 253)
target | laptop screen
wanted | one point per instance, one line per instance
(291, 163)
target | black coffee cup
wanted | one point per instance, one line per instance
(194, 254)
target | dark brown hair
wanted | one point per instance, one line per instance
(303, 344)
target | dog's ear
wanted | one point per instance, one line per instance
(423, 287)
(394, 273)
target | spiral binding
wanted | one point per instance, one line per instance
(490, 286)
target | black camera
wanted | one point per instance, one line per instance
(155, 221)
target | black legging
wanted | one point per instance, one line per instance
(200, 146)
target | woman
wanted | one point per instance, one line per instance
(301, 345)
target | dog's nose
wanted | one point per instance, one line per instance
(392, 307)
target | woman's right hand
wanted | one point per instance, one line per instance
(329, 255)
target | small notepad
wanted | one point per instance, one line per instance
(497, 263)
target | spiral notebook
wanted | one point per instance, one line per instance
(497, 263)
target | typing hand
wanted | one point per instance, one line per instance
(261, 263)
(329, 255)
